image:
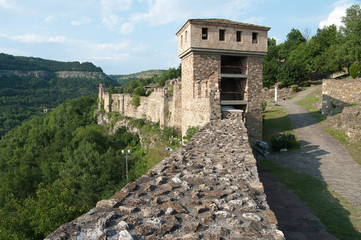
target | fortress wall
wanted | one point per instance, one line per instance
(254, 91)
(208, 189)
(159, 106)
(337, 94)
(197, 69)
(152, 107)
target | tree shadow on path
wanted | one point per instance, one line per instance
(295, 218)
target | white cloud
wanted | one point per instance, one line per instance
(254, 20)
(35, 38)
(111, 6)
(164, 11)
(111, 10)
(278, 40)
(49, 18)
(4, 4)
(126, 28)
(336, 15)
(81, 21)
(57, 39)
(111, 21)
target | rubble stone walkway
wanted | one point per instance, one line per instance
(320, 156)
(208, 189)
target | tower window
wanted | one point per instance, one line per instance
(221, 34)
(204, 33)
(186, 37)
(254, 38)
(239, 36)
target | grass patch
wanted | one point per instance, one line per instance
(275, 121)
(308, 103)
(335, 213)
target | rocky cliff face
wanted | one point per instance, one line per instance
(208, 189)
(42, 74)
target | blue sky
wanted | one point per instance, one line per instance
(127, 36)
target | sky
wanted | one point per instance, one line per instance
(128, 36)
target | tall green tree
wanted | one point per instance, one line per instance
(293, 72)
(351, 32)
(294, 38)
(271, 64)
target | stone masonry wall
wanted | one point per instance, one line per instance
(254, 107)
(337, 94)
(159, 106)
(208, 189)
(199, 86)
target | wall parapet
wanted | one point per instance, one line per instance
(208, 189)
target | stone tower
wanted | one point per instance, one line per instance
(221, 71)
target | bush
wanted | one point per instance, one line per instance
(136, 101)
(264, 105)
(168, 132)
(294, 88)
(354, 69)
(190, 132)
(171, 90)
(283, 140)
(139, 123)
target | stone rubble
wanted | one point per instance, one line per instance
(208, 189)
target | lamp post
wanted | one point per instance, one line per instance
(126, 155)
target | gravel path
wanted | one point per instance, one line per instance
(320, 155)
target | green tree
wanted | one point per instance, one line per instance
(354, 70)
(271, 64)
(294, 38)
(351, 32)
(293, 72)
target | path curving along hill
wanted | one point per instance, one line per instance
(320, 155)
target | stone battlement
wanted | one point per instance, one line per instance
(208, 189)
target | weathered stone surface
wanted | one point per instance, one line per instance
(111, 203)
(127, 210)
(175, 206)
(222, 200)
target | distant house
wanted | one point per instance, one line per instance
(151, 86)
(46, 110)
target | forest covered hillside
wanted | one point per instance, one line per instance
(56, 166)
(124, 79)
(22, 96)
(9, 62)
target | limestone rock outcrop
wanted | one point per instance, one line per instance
(61, 74)
(208, 189)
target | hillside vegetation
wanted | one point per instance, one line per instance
(9, 62)
(124, 79)
(56, 166)
(22, 97)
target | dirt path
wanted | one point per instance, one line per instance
(320, 155)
